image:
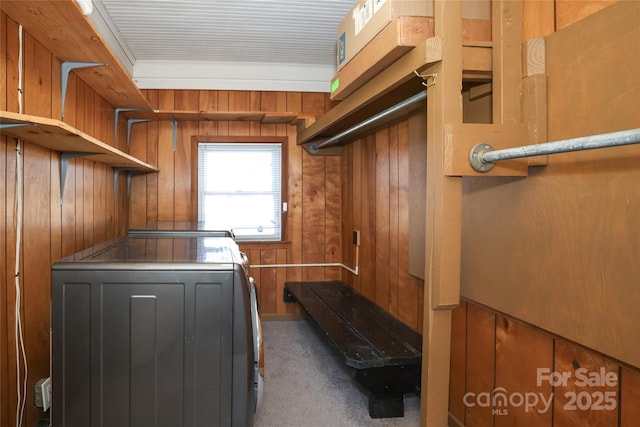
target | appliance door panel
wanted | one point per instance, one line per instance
(159, 353)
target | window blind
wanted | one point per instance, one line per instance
(239, 188)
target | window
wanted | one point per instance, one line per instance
(239, 188)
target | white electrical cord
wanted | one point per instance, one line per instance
(19, 334)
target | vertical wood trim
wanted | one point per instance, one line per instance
(443, 233)
(507, 61)
(457, 379)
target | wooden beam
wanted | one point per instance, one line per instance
(507, 61)
(443, 219)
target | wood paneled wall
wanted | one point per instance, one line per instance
(313, 220)
(375, 194)
(493, 354)
(50, 230)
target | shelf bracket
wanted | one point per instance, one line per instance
(115, 121)
(174, 130)
(130, 123)
(15, 125)
(65, 69)
(65, 156)
(130, 173)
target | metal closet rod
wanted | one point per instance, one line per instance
(370, 121)
(483, 156)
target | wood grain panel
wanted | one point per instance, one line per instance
(4, 308)
(333, 218)
(313, 215)
(152, 179)
(166, 162)
(629, 397)
(538, 18)
(4, 304)
(553, 214)
(3, 61)
(381, 230)
(480, 364)
(356, 212)
(570, 11)
(184, 100)
(394, 213)
(50, 230)
(578, 401)
(295, 208)
(457, 378)
(268, 277)
(36, 244)
(409, 286)
(368, 218)
(516, 372)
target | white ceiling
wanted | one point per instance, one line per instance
(224, 44)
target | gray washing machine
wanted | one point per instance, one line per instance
(153, 331)
(199, 229)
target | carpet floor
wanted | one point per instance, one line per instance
(307, 385)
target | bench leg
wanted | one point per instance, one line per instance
(386, 405)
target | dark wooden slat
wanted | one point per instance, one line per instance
(357, 352)
(396, 341)
(364, 333)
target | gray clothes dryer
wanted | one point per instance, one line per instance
(199, 229)
(153, 331)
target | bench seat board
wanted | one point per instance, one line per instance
(383, 353)
(365, 334)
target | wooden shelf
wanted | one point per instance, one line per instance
(393, 85)
(264, 117)
(61, 27)
(59, 136)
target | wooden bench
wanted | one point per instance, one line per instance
(383, 353)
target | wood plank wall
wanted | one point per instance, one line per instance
(375, 194)
(491, 350)
(313, 220)
(50, 230)
(365, 189)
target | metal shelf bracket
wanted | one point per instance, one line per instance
(65, 69)
(174, 129)
(65, 156)
(115, 120)
(130, 173)
(130, 123)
